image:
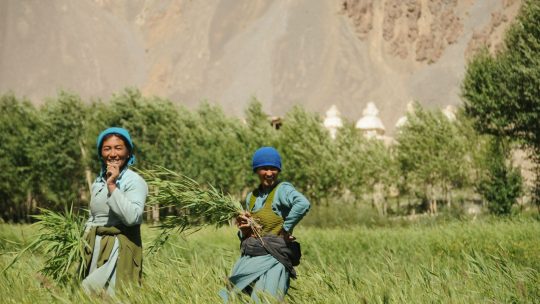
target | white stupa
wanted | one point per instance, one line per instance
(450, 112)
(403, 119)
(370, 124)
(333, 121)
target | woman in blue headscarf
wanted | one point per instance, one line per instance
(269, 253)
(113, 249)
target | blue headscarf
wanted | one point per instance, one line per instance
(117, 131)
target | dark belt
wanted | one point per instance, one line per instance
(273, 245)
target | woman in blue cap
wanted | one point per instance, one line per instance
(113, 253)
(269, 251)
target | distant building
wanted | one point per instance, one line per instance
(370, 124)
(450, 112)
(403, 119)
(276, 122)
(333, 121)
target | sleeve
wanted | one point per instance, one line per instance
(295, 202)
(128, 204)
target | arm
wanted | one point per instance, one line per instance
(128, 205)
(296, 202)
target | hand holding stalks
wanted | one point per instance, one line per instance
(243, 219)
(246, 223)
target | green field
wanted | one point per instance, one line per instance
(482, 261)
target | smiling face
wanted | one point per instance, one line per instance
(114, 151)
(267, 175)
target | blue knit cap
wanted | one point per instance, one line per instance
(266, 156)
(117, 131)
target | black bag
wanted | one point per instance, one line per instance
(296, 252)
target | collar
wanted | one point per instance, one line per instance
(265, 191)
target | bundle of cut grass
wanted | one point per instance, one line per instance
(196, 205)
(60, 238)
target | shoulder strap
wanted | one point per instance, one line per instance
(255, 192)
(252, 199)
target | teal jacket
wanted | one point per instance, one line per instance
(124, 206)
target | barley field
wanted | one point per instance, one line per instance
(481, 261)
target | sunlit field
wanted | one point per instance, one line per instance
(481, 261)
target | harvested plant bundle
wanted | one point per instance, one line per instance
(196, 205)
(60, 238)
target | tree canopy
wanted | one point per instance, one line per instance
(502, 90)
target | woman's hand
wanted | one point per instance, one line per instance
(113, 171)
(243, 222)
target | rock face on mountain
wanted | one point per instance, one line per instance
(314, 53)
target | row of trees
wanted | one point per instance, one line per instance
(48, 154)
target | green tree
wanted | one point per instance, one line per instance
(154, 125)
(432, 154)
(220, 149)
(502, 91)
(57, 151)
(350, 147)
(366, 166)
(382, 172)
(259, 133)
(18, 121)
(309, 157)
(502, 183)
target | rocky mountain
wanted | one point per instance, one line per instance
(284, 52)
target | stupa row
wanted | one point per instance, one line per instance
(370, 124)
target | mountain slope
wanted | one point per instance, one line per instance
(314, 53)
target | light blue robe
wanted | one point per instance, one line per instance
(124, 206)
(269, 275)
